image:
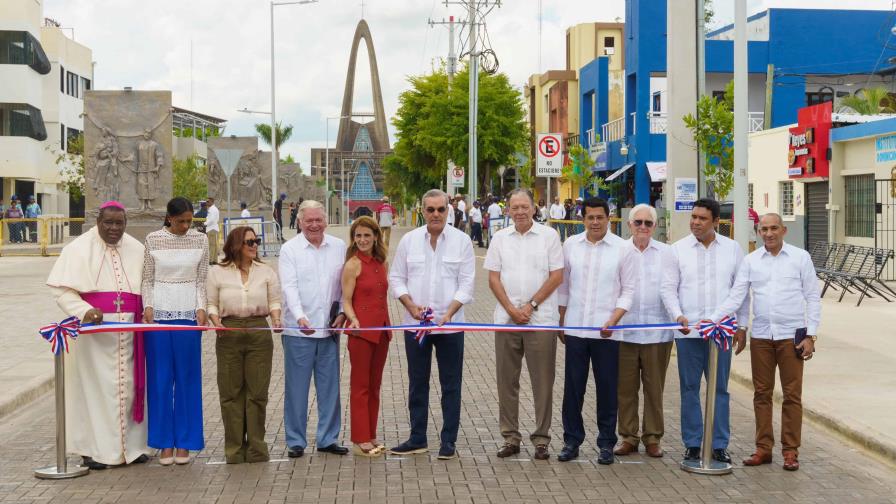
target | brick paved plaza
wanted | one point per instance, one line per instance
(832, 470)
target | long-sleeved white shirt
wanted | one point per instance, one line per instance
(557, 211)
(211, 220)
(697, 279)
(311, 279)
(647, 305)
(525, 261)
(785, 291)
(434, 278)
(597, 279)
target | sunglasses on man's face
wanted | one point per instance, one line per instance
(440, 209)
(645, 223)
(253, 242)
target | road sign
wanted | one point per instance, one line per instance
(549, 162)
(455, 175)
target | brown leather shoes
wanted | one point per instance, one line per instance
(790, 462)
(654, 450)
(541, 452)
(508, 450)
(625, 448)
(757, 459)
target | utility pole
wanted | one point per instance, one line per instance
(702, 189)
(741, 125)
(452, 56)
(769, 88)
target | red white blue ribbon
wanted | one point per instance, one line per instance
(425, 321)
(58, 334)
(720, 333)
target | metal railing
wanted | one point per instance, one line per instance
(41, 236)
(613, 130)
(659, 122)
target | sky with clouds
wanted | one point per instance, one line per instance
(147, 45)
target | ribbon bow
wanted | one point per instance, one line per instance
(425, 321)
(58, 334)
(720, 333)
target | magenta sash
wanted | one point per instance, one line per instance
(131, 303)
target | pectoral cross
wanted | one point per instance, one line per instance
(118, 302)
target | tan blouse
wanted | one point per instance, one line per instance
(229, 297)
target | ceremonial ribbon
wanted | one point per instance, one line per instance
(425, 321)
(58, 334)
(720, 333)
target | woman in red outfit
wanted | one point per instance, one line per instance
(364, 290)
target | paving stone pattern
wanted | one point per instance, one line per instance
(833, 472)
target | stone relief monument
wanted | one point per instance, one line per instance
(127, 140)
(250, 182)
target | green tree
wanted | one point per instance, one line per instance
(578, 170)
(712, 130)
(433, 124)
(870, 101)
(190, 178)
(283, 133)
(71, 166)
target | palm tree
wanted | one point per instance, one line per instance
(283, 134)
(869, 101)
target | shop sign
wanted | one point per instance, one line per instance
(809, 141)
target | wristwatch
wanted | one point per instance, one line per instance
(533, 304)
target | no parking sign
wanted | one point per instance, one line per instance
(549, 161)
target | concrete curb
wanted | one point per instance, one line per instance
(37, 388)
(882, 449)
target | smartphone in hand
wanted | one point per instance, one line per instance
(798, 338)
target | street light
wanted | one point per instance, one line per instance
(327, 149)
(274, 155)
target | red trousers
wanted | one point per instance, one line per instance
(368, 360)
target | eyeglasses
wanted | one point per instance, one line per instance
(253, 242)
(440, 209)
(645, 223)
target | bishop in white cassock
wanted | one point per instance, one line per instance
(98, 278)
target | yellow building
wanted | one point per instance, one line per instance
(553, 97)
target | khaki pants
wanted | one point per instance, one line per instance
(540, 351)
(642, 364)
(212, 247)
(765, 356)
(244, 375)
(387, 233)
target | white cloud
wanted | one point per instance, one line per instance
(146, 44)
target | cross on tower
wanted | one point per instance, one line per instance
(362, 9)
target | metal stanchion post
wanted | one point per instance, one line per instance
(61, 469)
(706, 464)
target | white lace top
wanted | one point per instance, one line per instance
(174, 273)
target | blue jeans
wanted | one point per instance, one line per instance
(450, 359)
(603, 355)
(174, 387)
(303, 357)
(693, 363)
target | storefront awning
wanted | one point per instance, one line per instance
(657, 171)
(619, 172)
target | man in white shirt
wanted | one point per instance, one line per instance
(698, 272)
(433, 267)
(450, 213)
(525, 264)
(495, 218)
(212, 229)
(644, 355)
(244, 212)
(597, 289)
(476, 224)
(310, 277)
(786, 303)
(558, 213)
(462, 208)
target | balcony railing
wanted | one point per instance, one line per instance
(613, 130)
(659, 122)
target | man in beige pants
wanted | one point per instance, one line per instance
(525, 264)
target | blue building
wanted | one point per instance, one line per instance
(812, 63)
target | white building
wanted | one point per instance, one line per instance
(43, 76)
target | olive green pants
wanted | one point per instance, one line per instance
(244, 375)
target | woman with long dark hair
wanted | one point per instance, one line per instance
(364, 288)
(175, 267)
(242, 293)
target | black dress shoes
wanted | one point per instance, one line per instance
(93, 464)
(296, 451)
(334, 448)
(721, 455)
(142, 459)
(569, 452)
(605, 457)
(692, 453)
